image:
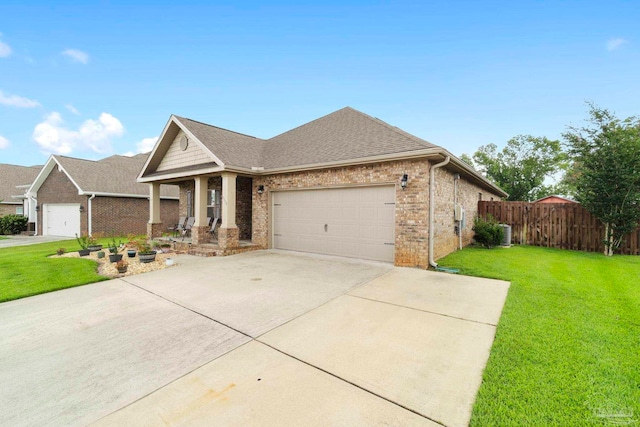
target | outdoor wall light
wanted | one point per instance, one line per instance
(403, 181)
(37, 208)
(81, 208)
(260, 189)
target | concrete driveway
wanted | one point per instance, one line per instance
(263, 338)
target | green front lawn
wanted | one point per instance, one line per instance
(26, 270)
(567, 348)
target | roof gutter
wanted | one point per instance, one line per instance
(432, 205)
(350, 162)
(135, 196)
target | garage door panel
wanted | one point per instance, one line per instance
(61, 220)
(387, 233)
(360, 221)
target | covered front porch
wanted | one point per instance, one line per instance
(225, 197)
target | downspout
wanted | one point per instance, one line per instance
(432, 190)
(89, 225)
(457, 208)
(34, 205)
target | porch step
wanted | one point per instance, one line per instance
(202, 252)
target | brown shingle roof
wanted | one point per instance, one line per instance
(12, 175)
(113, 175)
(343, 135)
(232, 148)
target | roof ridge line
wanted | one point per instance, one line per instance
(398, 130)
(218, 127)
(308, 123)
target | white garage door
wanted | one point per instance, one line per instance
(61, 220)
(352, 222)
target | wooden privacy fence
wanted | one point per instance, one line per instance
(555, 225)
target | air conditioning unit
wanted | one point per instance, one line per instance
(506, 240)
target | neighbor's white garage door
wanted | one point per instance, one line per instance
(61, 220)
(353, 222)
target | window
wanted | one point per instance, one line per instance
(19, 210)
(213, 204)
(480, 196)
(189, 203)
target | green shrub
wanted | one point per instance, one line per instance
(13, 224)
(488, 232)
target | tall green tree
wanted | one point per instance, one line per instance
(606, 156)
(522, 166)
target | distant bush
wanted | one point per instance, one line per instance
(13, 224)
(488, 232)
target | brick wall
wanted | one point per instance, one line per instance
(244, 197)
(57, 188)
(446, 240)
(185, 186)
(412, 207)
(411, 226)
(124, 215)
(8, 209)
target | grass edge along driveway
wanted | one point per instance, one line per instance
(566, 347)
(26, 270)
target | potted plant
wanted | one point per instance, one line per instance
(83, 241)
(92, 244)
(145, 253)
(122, 266)
(113, 249)
(100, 254)
(165, 247)
(113, 246)
(131, 252)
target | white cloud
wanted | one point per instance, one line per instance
(5, 49)
(4, 142)
(72, 109)
(53, 137)
(17, 101)
(77, 55)
(143, 146)
(616, 43)
(146, 144)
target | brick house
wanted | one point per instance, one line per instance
(346, 184)
(14, 181)
(85, 196)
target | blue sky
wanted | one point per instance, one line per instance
(103, 78)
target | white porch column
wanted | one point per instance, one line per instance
(154, 227)
(154, 203)
(228, 200)
(228, 232)
(200, 199)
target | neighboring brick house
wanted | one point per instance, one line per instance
(85, 196)
(345, 184)
(14, 181)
